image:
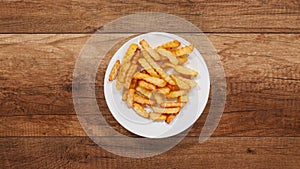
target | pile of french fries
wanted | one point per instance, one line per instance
(142, 76)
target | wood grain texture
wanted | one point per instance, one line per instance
(81, 152)
(262, 72)
(82, 16)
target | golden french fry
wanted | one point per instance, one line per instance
(129, 75)
(190, 82)
(140, 110)
(114, 71)
(164, 52)
(172, 110)
(183, 50)
(183, 99)
(130, 52)
(119, 85)
(124, 95)
(133, 84)
(164, 90)
(172, 104)
(158, 98)
(173, 87)
(181, 84)
(144, 91)
(182, 60)
(170, 118)
(175, 94)
(123, 70)
(157, 116)
(181, 69)
(142, 100)
(171, 44)
(136, 56)
(156, 81)
(130, 98)
(147, 67)
(158, 69)
(146, 85)
(150, 50)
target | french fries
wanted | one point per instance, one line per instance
(172, 110)
(170, 118)
(158, 69)
(130, 73)
(154, 80)
(130, 52)
(181, 69)
(150, 50)
(172, 104)
(130, 97)
(157, 116)
(180, 83)
(114, 71)
(142, 100)
(175, 94)
(164, 52)
(170, 45)
(183, 99)
(140, 110)
(183, 50)
(144, 92)
(147, 67)
(147, 85)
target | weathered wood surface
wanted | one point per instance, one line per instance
(81, 152)
(81, 16)
(262, 73)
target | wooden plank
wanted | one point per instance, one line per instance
(81, 152)
(87, 16)
(262, 84)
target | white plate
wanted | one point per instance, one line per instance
(189, 114)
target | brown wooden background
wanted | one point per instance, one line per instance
(258, 42)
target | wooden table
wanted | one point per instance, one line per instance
(259, 45)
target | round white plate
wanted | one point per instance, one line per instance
(198, 96)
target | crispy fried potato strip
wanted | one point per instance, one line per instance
(175, 94)
(121, 76)
(144, 92)
(172, 104)
(181, 69)
(148, 67)
(166, 53)
(182, 60)
(157, 116)
(183, 99)
(114, 71)
(171, 44)
(172, 110)
(130, 52)
(130, 98)
(158, 69)
(156, 81)
(170, 118)
(124, 95)
(158, 98)
(164, 90)
(140, 110)
(146, 85)
(150, 50)
(190, 82)
(183, 50)
(142, 100)
(180, 83)
(129, 75)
